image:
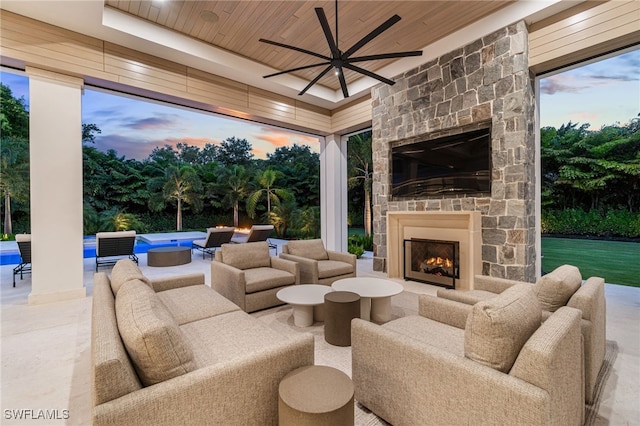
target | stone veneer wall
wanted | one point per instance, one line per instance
(485, 83)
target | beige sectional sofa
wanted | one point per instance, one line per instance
(502, 368)
(561, 287)
(175, 352)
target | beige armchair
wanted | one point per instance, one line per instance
(248, 276)
(561, 287)
(318, 265)
(503, 367)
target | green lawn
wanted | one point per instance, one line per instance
(616, 262)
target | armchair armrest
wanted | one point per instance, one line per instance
(492, 284)
(286, 265)
(229, 282)
(444, 310)
(308, 268)
(169, 283)
(343, 257)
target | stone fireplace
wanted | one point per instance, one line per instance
(483, 84)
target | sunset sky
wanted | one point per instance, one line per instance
(601, 93)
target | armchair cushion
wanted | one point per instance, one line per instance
(246, 255)
(556, 288)
(258, 279)
(311, 249)
(331, 268)
(126, 270)
(497, 328)
(151, 335)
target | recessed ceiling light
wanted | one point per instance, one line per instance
(209, 16)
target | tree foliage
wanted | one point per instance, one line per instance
(597, 170)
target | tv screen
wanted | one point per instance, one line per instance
(458, 164)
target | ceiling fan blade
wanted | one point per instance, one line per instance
(369, 74)
(373, 34)
(343, 83)
(295, 69)
(297, 49)
(315, 80)
(327, 32)
(384, 56)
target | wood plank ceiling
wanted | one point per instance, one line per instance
(236, 26)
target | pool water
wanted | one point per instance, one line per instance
(12, 256)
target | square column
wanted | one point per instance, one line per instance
(55, 145)
(333, 192)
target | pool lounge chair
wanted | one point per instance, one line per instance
(215, 238)
(24, 246)
(112, 246)
(257, 233)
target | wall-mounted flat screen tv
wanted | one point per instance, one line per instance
(457, 164)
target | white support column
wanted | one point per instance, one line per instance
(333, 192)
(55, 138)
(538, 193)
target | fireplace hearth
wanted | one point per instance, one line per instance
(432, 261)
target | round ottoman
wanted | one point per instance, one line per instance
(340, 307)
(315, 395)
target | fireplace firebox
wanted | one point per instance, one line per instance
(432, 261)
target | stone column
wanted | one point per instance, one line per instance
(55, 138)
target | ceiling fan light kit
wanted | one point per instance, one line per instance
(339, 59)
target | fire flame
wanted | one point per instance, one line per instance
(439, 261)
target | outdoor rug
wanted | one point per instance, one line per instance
(403, 304)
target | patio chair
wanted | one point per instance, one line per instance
(257, 233)
(114, 245)
(24, 246)
(215, 238)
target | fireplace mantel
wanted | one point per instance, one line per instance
(462, 226)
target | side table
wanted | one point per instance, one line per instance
(315, 395)
(340, 308)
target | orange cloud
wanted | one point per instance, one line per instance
(259, 153)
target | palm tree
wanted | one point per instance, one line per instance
(266, 180)
(180, 184)
(235, 181)
(283, 216)
(360, 167)
(14, 175)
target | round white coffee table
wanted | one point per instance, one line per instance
(375, 296)
(307, 301)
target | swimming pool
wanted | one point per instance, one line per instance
(9, 254)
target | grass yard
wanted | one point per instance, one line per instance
(617, 262)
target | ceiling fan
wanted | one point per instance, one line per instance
(339, 59)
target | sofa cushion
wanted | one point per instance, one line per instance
(310, 249)
(332, 268)
(246, 255)
(556, 288)
(195, 302)
(497, 328)
(126, 270)
(231, 336)
(151, 335)
(434, 333)
(259, 279)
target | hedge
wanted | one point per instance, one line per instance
(607, 224)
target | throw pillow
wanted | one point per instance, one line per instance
(556, 288)
(125, 270)
(497, 328)
(310, 249)
(151, 335)
(246, 255)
